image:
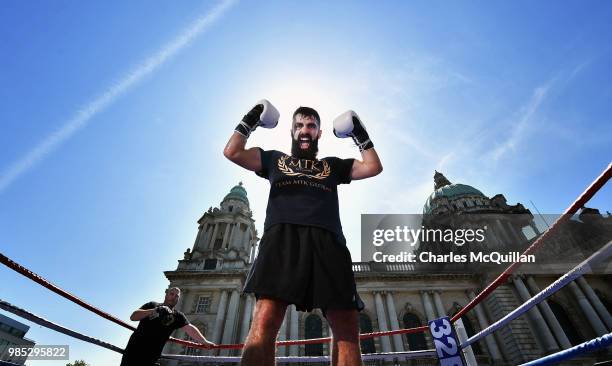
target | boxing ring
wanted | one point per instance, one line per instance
(600, 256)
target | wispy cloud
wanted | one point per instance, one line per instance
(526, 116)
(84, 115)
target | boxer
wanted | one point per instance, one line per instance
(303, 258)
(156, 322)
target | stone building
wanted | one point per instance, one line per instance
(404, 295)
(12, 334)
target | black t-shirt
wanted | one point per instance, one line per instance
(147, 341)
(303, 191)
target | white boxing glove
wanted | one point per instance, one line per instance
(348, 124)
(263, 114)
(269, 117)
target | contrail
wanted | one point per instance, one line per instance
(84, 115)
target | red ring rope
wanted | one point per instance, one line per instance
(579, 203)
(586, 195)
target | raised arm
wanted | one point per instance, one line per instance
(348, 124)
(247, 158)
(368, 167)
(263, 114)
(140, 314)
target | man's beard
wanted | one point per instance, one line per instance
(308, 153)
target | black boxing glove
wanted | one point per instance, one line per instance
(263, 114)
(348, 124)
(160, 311)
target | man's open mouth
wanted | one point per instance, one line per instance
(304, 142)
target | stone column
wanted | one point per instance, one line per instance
(548, 341)
(589, 312)
(506, 238)
(595, 301)
(398, 344)
(492, 240)
(243, 237)
(514, 235)
(180, 305)
(251, 253)
(549, 315)
(230, 323)
(220, 317)
(238, 237)
(226, 235)
(470, 359)
(199, 237)
(246, 317)
(211, 242)
(294, 330)
(438, 304)
(427, 305)
(489, 340)
(382, 322)
(205, 243)
(237, 242)
(230, 243)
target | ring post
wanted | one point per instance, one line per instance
(462, 336)
(445, 342)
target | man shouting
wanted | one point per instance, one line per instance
(303, 258)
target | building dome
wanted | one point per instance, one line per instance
(444, 189)
(237, 193)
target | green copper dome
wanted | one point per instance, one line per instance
(237, 193)
(444, 188)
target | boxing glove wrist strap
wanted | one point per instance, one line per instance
(363, 143)
(245, 129)
(250, 121)
(367, 144)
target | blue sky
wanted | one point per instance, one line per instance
(113, 117)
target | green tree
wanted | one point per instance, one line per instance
(78, 363)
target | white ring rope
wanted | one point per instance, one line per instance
(58, 328)
(584, 267)
(387, 356)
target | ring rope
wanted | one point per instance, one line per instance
(584, 267)
(58, 328)
(387, 356)
(45, 283)
(585, 347)
(69, 332)
(6, 363)
(584, 197)
(569, 212)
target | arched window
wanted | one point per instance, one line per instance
(365, 326)
(566, 323)
(416, 341)
(313, 328)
